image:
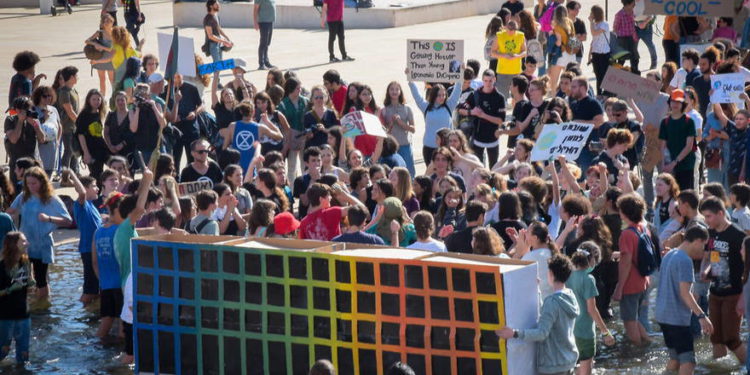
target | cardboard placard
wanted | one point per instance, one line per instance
(185, 54)
(195, 187)
(698, 47)
(727, 88)
(567, 139)
(216, 67)
(433, 60)
(630, 85)
(360, 122)
(692, 8)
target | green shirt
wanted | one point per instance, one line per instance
(410, 235)
(125, 232)
(67, 95)
(267, 10)
(676, 133)
(583, 286)
(295, 114)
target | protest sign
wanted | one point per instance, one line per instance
(216, 67)
(698, 47)
(629, 85)
(692, 8)
(189, 188)
(360, 122)
(434, 60)
(185, 55)
(567, 139)
(727, 88)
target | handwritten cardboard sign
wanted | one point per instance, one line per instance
(360, 122)
(185, 53)
(567, 139)
(434, 60)
(629, 85)
(727, 88)
(693, 8)
(215, 67)
(190, 188)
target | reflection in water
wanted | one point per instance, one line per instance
(64, 342)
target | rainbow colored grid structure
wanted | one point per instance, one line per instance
(233, 307)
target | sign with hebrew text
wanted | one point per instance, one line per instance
(566, 139)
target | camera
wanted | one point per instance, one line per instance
(32, 114)
(140, 100)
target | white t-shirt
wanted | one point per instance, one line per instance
(678, 81)
(741, 217)
(434, 246)
(600, 43)
(541, 257)
(127, 300)
(697, 120)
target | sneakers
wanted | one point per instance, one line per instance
(334, 59)
(348, 58)
(261, 67)
(269, 65)
(68, 8)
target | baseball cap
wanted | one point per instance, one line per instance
(677, 96)
(155, 77)
(285, 223)
(241, 64)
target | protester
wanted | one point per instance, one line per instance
(216, 40)
(15, 281)
(332, 15)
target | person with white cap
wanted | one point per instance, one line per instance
(242, 88)
(264, 15)
(156, 85)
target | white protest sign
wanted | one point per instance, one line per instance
(195, 187)
(566, 139)
(698, 47)
(360, 122)
(185, 53)
(434, 60)
(727, 88)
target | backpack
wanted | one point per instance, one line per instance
(91, 52)
(546, 20)
(198, 228)
(573, 46)
(647, 254)
(534, 48)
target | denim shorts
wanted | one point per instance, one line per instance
(630, 305)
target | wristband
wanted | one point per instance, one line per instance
(515, 333)
(605, 334)
(701, 316)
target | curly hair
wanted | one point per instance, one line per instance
(25, 60)
(486, 241)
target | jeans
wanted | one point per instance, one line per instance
(133, 27)
(69, 160)
(336, 30)
(18, 330)
(492, 153)
(629, 44)
(216, 52)
(601, 64)
(406, 153)
(646, 35)
(266, 31)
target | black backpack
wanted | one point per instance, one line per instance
(647, 253)
(198, 228)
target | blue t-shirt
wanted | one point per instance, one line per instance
(38, 233)
(88, 221)
(245, 134)
(360, 237)
(109, 269)
(676, 267)
(393, 161)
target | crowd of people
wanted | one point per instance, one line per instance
(656, 202)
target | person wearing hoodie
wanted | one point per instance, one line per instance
(557, 352)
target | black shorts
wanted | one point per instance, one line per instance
(90, 281)
(679, 341)
(39, 269)
(128, 328)
(111, 303)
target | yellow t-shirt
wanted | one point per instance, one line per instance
(509, 44)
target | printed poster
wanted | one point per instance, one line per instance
(727, 88)
(360, 122)
(691, 8)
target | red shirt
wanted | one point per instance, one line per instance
(365, 143)
(635, 283)
(321, 225)
(335, 11)
(338, 98)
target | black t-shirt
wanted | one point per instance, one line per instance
(493, 104)
(726, 272)
(664, 210)
(119, 133)
(14, 304)
(586, 109)
(26, 144)
(257, 194)
(90, 126)
(300, 186)
(688, 25)
(502, 225)
(524, 111)
(147, 134)
(224, 117)
(632, 153)
(191, 100)
(460, 241)
(702, 87)
(214, 174)
(580, 28)
(607, 160)
(514, 8)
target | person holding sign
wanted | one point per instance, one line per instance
(437, 111)
(509, 48)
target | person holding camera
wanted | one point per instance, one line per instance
(90, 129)
(22, 131)
(145, 119)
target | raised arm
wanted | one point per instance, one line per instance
(80, 189)
(143, 187)
(418, 98)
(215, 90)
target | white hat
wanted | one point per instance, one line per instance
(240, 63)
(155, 78)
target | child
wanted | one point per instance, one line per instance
(583, 286)
(25, 80)
(88, 221)
(285, 225)
(164, 220)
(736, 132)
(535, 244)
(424, 225)
(110, 184)
(127, 319)
(529, 70)
(739, 196)
(207, 201)
(556, 353)
(15, 280)
(106, 266)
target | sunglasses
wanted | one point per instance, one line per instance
(201, 151)
(319, 97)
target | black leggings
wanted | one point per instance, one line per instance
(671, 51)
(336, 29)
(40, 272)
(266, 32)
(601, 63)
(492, 153)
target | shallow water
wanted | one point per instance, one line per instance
(63, 340)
